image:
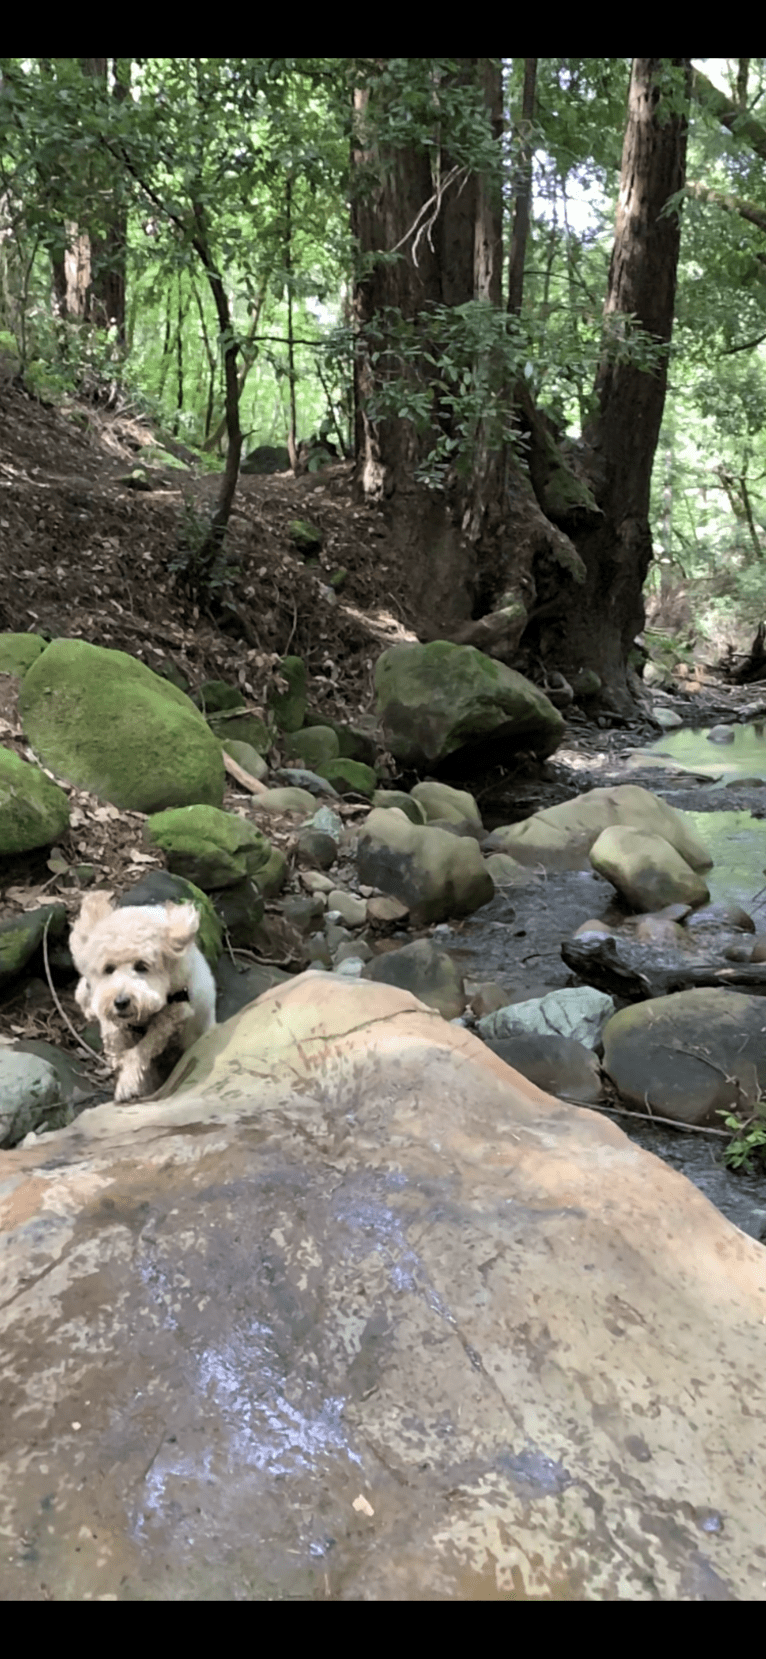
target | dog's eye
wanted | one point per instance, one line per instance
(141, 967)
(109, 969)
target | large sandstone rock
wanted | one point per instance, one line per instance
(646, 869)
(102, 720)
(434, 873)
(437, 698)
(354, 1312)
(689, 1055)
(33, 811)
(560, 837)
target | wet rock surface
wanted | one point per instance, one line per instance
(354, 1312)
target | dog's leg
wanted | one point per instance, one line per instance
(135, 1064)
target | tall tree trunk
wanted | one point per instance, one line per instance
(549, 562)
(523, 191)
(594, 622)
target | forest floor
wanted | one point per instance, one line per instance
(84, 554)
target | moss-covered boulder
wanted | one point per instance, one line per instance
(271, 878)
(240, 909)
(314, 745)
(349, 776)
(159, 886)
(289, 707)
(439, 698)
(412, 809)
(353, 743)
(104, 721)
(19, 651)
(209, 847)
(213, 696)
(21, 935)
(33, 811)
(231, 726)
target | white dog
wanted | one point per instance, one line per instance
(146, 982)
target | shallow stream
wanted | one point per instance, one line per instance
(516, 939)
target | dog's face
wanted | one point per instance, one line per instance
(129, 958)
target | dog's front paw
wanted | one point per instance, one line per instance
(132, 1078)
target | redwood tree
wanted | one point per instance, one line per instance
(539, 555)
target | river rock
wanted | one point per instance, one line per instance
(689, 1055)
(578, 1012)
(441, 802)
(397, 797)
(352, 908)
(430, 975)
(316, 848)
(302, 778)
(29, 1090)
(438, 698)
(556, 1064)
(435, 874)
(645, 869)
(371, 1319)
(104, 721)
(247, 757)
(560, 837)
(289, 799)
(721, 734)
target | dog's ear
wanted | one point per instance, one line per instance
(94, 909)
(182, 924)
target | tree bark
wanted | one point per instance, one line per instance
(594, 624)
(540, 562)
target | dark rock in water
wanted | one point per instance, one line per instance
(689, 1056)
(721, 734)
(557, 1064)
(266, 458)
(429, 973)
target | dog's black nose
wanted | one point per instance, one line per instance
(121, 1004)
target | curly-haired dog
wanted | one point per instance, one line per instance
(146, 982)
